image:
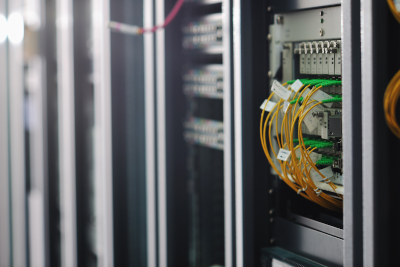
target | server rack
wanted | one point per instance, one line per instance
(339, 245)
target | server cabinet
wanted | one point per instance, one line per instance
(327, 238)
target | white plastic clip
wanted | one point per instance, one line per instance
(318, 191)
(301, 190)
(326, 180)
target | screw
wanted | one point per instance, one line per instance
(271, 191)
(279, 19)
(269, 37)
(269, 74)
(321, 32)
(272, 240)
(271, 220)
(269, 9)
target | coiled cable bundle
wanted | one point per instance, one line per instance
(392, 93)
(395, 11)
(391, 98)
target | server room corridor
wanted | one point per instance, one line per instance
(199, 133)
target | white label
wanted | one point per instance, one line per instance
(296, 85)
(281, 90)
(320, 95)
(283, 154)
(316, 177)
(312, 121)
(397, 5)
(269, 107)
(276, 263)
(285, 106)
(315, 157)
(305, 93)
(337, 178)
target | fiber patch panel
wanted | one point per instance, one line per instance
(204, 132)
(206, 81)
(203, 34)
(320, 57)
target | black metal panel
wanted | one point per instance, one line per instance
(128, 125)
(380, 57)
(256, 199)
(177, 175)
(53, 187)
(268, 254)
(352, 134)
(84, 121)
(315, 245)
(292, 5)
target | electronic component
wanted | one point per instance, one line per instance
(319, 58)
(205, 81)
(204, 34)
(204, 132)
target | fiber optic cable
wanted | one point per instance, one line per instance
(137, 30)
(296, 172)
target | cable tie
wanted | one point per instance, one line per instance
(302, 189)
(318, 191)
(326, 180)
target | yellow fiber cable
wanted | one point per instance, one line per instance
(393, 9)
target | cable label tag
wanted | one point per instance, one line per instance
(296, 85)
(312, 121)
(269, 107)
(320, 95)
(285, 106)
(281, 90)
(397, 5)
(316, 177)
(283, 154)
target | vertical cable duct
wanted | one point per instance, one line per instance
(150, 135)
(66, 120)
(17, 131)
(161, 137)
(4, 160)
(226, 10)
(103, 134)
(237, 53)
(367, 84)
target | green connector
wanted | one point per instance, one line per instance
(332, 100)
(304, 139)
(324, 162)
(319, 144)
(295, 100)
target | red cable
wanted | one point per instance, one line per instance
(169, 18)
